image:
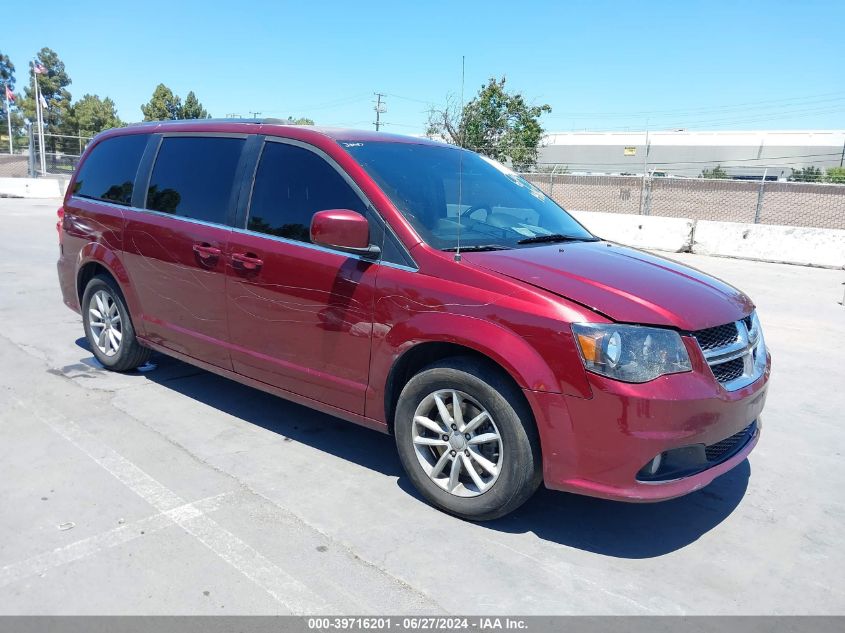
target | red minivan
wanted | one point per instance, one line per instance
(421, 290)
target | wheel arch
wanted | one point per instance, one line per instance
(523, 368)
(95, 259)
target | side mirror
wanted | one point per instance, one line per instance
(344, 230)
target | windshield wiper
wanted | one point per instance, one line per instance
(479, 247)
(556, 237)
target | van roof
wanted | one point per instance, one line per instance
(336, 134)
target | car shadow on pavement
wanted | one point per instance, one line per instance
(354, 443)
(628, 530)
(610, 528)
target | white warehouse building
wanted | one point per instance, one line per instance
(686, 153)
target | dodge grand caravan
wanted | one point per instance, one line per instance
(421, 290)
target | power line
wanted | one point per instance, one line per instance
(679, 112)
(424, 101)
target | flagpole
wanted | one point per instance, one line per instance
(40, 117)
(37, 106)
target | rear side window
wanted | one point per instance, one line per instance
(291, 185)
(193, 177)
(109, 171)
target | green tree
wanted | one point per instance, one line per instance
(193, 108)
(163, 106)
(53, 85)
(299, 121)
(7, 73)
(91, 115)
(7, 78)
(496, 123)
(716, 172)
(835, 175)
(806, 174)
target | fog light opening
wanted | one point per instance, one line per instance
(654, 465)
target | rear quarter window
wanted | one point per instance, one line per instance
(108, 172)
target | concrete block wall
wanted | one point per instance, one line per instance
(785, 244)
(47, 187)
(665, 234)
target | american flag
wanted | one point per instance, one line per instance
(10, 96)
(39, 69)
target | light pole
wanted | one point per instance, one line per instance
(31, 146)
(9, 117)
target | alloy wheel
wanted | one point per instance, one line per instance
(457, 443)
(104, 323)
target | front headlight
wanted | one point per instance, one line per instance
(630, 353)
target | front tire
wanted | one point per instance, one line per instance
(108, 326)
(467, 439)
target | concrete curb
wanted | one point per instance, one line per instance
(33, 187)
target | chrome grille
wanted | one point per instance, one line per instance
(735, 351)
(716, 337)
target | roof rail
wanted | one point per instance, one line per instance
(217, 120)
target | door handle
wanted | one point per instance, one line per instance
(206, 251)
(246, 261)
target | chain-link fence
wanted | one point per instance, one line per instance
(762, 201)
(61, 154)
(14, 164)
(820, 205)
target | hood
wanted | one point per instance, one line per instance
(622, 283)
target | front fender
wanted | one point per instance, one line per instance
(522, 361)
(501, 345)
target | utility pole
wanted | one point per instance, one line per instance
(379, 108)
(233, 115)
(255, 115)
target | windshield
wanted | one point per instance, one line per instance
(445, 192)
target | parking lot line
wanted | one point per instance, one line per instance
(93, 545)
(289, 592)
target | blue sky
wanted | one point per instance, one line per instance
(600, 65)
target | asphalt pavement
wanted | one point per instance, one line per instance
(174, 491)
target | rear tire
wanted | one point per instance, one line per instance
(483, 462)
(108, 326)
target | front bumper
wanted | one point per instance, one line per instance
(598, 446)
